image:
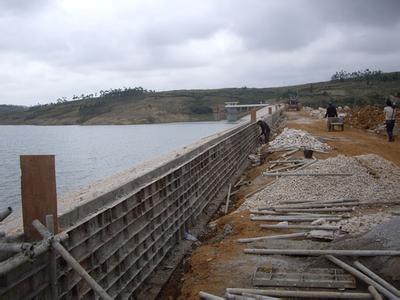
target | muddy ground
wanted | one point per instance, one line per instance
(219, 262)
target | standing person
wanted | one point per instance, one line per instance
(390, 117)
(265, 130)
(330, 113)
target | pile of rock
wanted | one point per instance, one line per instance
(372, 181)
(366, 117)
(316, 113)
(295, 138)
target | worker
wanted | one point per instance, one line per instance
(330, 113)
(265, 131)
(390, 118)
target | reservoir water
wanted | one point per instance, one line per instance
(88, 153)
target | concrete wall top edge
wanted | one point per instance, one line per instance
(102, 192)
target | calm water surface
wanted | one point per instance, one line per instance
(88, 153)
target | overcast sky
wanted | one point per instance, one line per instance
(56, 48)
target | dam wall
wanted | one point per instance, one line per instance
(121, 236)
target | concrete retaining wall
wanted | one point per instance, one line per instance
(122, 236)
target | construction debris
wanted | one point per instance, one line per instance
(377, 278)
(295, 138)
(362, 277)
(309, 278)
(329, 192)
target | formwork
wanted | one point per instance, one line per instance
(121, 241)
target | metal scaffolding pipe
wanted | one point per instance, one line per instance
(74, 264)
(15, 247)
(301, 294)
(374, 293)
(5, 212)
(306, 174)
(21, 258)
(271, 237)
(313, 210)
(308, 252)
(377, 278)
(81, 271)
(289, 226)
(293, 218)
(361, 276)
(312, 205)
(260, 297)
(207, 296)
(228, 196)
(52, 259)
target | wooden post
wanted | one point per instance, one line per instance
(253, 115)
(38, 192)
(270, 110)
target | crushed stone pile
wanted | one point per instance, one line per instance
(320, 112)
(296, 138)
(374, 179)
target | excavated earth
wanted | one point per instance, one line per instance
(219, 262)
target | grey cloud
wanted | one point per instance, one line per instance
(21, 7)
(51, 49)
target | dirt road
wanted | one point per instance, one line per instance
(219, 262)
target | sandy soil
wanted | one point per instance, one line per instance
(219, 262)
(351, 141)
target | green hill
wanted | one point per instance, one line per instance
(138, 106)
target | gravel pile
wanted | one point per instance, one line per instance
(374, 179)
(364, 222)
(294, 138)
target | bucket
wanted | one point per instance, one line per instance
(308, 153)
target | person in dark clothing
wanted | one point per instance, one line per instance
(265, 130)
(330, 113)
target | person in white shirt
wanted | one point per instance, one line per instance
(390, 117)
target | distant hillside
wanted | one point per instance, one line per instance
(138, 106)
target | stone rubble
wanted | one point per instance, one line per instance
(295, 138)
(320, 112)
(374, 179)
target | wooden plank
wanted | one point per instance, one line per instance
(38, 192)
